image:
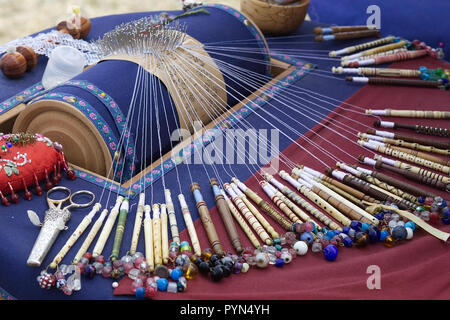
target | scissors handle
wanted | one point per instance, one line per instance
(70, 197)
(74, 204)
(57, 202)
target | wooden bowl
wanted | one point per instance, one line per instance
(275, 19)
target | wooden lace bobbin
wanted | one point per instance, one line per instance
(190, 225)
(420, 140)
(270, 230)
(164, 234)
(365, 175)
(347, 208)
(83, 143)
(417, 170)
(385, 72)
(373, 51)
(342, 186)
(393, 192)
(406, 144)
(293, 200)
(358, 202)
(90, 237)
(120, 229)
(172, 217)
(316, 200)
(362, 46)
(137, 223)
(156, 220)
(226, 216)
(106, 231)
(365, 187)
(369, 59)
(241, 221)
(148, 238)
(421, 155)
(275, 19)
(205, 216)
(248, 215)
(338, 29)
(441, 132)
(431, 159)
(75, 236)
(410, 173)
(349, 35)
(271, 193)
(397, 82)
(404, 156)
(399, 56)
(266, 207)
(392, 181)
(410, 114)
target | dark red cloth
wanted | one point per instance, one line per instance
(415, 269)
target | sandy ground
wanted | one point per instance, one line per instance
(19, 18)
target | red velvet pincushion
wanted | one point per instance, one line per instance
(27, 159)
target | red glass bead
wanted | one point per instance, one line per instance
(71, 174)
(300, 228)
(14, 196)
(81, 266)
(88, 256)
(5, 201)
(434, 217)
(309, 226)
(150, 292)
(47, 281)
(48, 184)
(100, 259)
(138, 261)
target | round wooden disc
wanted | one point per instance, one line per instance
(59, 121)
(275, 19)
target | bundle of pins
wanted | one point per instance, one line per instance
(296, 212)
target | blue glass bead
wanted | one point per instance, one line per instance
(424, 76)
(355, 225)
(9, 144)
(348, 242)
(444, 81)
(184, 243)
(421, 200)
(277, 241)
(176, 274)
(330, 252)
(399, 233)
(443, 204)
(330, 234)
(345, 229)
(364, 226)
(351, 233)
(279, 263)
(411, 225)
(383, 235)
(162, 284)
(307, 237)
(278, 247)
(324, 230)
(373, 235)
(140, 293)
(422, 69)
(294, 225)
(446, 220)
(379, 216)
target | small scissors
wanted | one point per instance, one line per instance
(57, 204)
(55, 221)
